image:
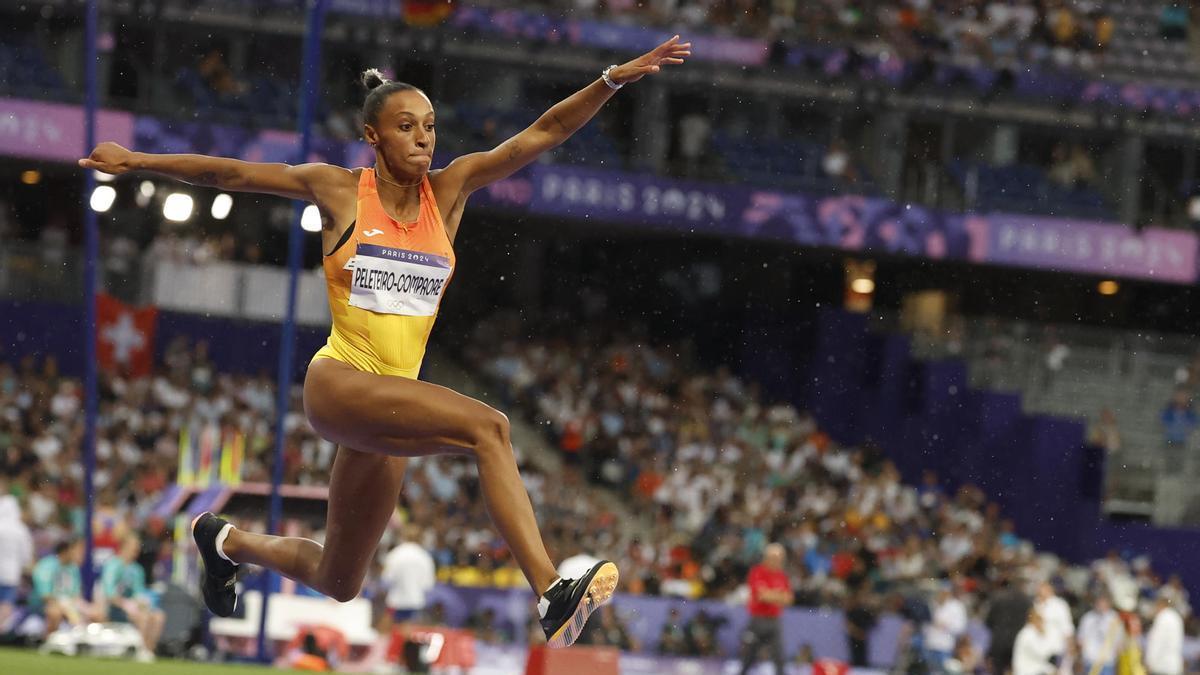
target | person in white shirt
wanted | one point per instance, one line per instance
(1056, 615)
(948, 622)
(1101, 637)
(16, 554)
(1164, 640)
(408, 575)
(1033, 653)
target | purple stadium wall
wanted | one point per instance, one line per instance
(924, 415)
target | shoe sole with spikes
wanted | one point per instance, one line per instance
(600, 590)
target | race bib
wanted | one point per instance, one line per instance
(396, 281)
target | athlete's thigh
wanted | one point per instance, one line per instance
(394, 415)
(363, 491)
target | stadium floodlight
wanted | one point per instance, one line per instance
(102, 198)
(310, 220)
(1194, 209)
(863, 285)
(221, 206)
(146, 191)
(178, 207)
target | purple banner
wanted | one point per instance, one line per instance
(849, 223)
(52, 131)
(650, 200)
(856, 223)
(511, 660)
(1094, 248)
(822, 630)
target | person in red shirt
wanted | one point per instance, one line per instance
(770, 592)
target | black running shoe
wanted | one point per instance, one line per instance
(573, 600)
(219, 579)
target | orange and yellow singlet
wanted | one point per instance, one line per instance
(386, 282)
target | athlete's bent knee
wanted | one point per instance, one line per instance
(344, 592)
(337, 584)
(492, 432)
(345, 596)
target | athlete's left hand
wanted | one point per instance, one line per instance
(672, 52)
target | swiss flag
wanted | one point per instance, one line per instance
(125, 336)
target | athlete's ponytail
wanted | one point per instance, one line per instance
(379, 88)
(372, 78)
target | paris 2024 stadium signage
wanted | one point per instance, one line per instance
(50, 131)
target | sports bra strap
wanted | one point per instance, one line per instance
(345, 238)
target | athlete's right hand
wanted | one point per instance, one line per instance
(109, 158)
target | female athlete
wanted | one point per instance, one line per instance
(388, 233)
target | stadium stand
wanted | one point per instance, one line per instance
(632, 446)
(1079, 372)
(714, 469)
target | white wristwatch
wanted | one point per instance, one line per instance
(608, 80)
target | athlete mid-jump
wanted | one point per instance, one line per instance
(387, 235)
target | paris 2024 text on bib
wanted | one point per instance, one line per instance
(397, 281)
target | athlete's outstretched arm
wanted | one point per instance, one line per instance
(297, 182)
(559, 122)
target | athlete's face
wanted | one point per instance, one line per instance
(404, 132)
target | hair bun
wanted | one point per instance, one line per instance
(372, 78)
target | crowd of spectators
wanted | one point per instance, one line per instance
(41, 429)
(980, 31)
(140, 422)
(724, 472)
(718, 471)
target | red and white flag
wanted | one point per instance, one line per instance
(125, 336)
